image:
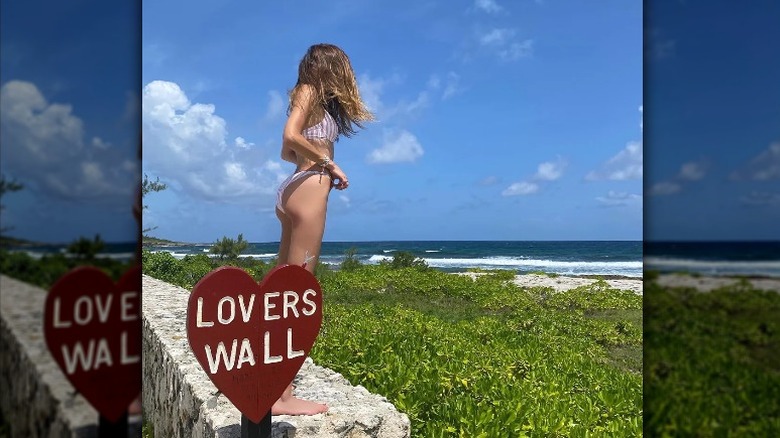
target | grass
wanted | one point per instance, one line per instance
(485, 357)
(476, 357)
(712, 361)
(546, 274)
(469, 357)
(48, 269)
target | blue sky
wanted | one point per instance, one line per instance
(497, 120)
(69, 118)
(712, 125)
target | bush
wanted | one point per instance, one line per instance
(350, 262)
(44, 272)
(405, 259)
(480, 357)
(227, 248)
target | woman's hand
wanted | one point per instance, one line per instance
(338, 177)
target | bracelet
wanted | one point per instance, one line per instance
(325, 162)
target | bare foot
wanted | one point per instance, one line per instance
(295, 406)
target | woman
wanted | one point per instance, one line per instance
(324, 104)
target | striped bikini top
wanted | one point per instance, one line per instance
(327, 128)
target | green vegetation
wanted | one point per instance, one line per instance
(149, 240)
(228, 248)
(475, 358)
(350, 262)
(48, 269)
(546, 274)
(7, 186)
(405, 259)
(85, 249)
(712, 362)
(6, 241)
(148, 186)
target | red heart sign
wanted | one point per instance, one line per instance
(93, 330)
(252, 339)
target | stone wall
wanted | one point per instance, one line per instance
(36, 398)
(180, 400)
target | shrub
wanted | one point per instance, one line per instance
(350, 262)
(405, 259)
(227, 248)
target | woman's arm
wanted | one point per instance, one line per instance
(289, 155)
(292, 139)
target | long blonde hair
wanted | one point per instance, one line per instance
(327, 69)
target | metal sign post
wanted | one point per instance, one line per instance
(252, 339)
(250, 429)
(108, 428)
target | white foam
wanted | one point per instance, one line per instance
(563, 267)
(749, 267)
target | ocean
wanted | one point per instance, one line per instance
(122, 251)
(756, 259)
(613, 258)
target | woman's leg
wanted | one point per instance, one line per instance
(305, 205)
(284, 241)
(303, 225)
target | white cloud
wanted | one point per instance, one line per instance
(550, 171)
(417, 104)
(154, 54)
(617, 199)
(764, 167)
(243, 144)
(345, 200)
(401, 146)
(488, 181)
(626, 165)
(276, 105)
(665, 188)
(641, 118)
(521, 188)
(132, 105)
(186, 144)
(489, 6)
(692, 171)
(517, 50)
(451, 84)
(373, 90)
(497, 36)
(44, 143)
(452, 87)
(660, 46)
(504, 43)
(434, 82)
(98, 143)
(761, 199)
(370, 91)
(546, 171)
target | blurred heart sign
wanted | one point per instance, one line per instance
(252, 339)
(93, 330)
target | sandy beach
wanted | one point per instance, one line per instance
(703, 283)
(564, 283)
(706, 284)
